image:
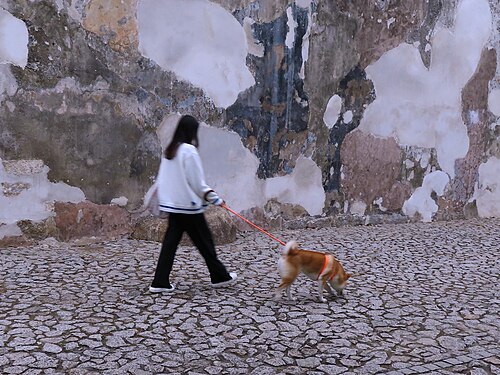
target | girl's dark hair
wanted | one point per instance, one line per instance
(186, 132)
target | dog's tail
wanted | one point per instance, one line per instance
(291, 248)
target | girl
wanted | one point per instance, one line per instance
(183, 193)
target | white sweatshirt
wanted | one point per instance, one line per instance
(181, 182)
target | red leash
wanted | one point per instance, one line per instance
(252, 224)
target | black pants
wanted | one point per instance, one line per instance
(196, 227)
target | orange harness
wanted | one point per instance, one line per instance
(324, 267)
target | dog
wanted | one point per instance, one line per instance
(316, 265)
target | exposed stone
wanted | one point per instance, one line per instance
(14, 241)
(114, 20)
(38, 230)
(273, 215)
(149, 228)
(371, 166)
(221, 225)
(13, 189)
(23, 167)
(394, 199)
(89, 219)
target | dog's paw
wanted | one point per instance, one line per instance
(322, 299)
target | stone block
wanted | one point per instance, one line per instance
(75, 220)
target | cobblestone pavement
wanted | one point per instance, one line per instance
(428, 303)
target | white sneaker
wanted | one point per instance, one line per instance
(155, 289)
(222, 284)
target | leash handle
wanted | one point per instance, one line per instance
(252, 224)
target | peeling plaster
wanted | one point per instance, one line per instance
(421, 107)
(357, 208)
(291, 24)
(13, 50)
(494, 102)
(348, 117)
(332, 111)
(303, 186)
(305, 38)
(27, 194)
(13, 40)
(487, 194)
(200, 42)
(303, 3)
(254, 47)
(421, 201)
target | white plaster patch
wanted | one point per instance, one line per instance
(199, 41)
(13, 50)
(358, 208)
(420, 107)
(474, 117)
(425, 158)
(305, 40)
(487, 193)
(494, 102)
(348, 117)
(292, 24)
(303, 186)
(33, 201)
(13, 40)
(11, 106)
(332, 111)
(409, 164)
(232, 171)
(303, 3)
(120, 201)
(10, 230)
(254, 47)
(379, 202)
(421, 201)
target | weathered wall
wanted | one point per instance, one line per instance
(342, 107)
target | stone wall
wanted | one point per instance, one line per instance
(357, 107)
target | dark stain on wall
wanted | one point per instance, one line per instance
(357, 92)
(276, 104)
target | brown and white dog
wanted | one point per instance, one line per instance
(318, 266)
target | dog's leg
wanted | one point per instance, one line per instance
(339, 290)
(321, 284)
(285, 284)
(277, 295)
(289, 293)
(329, 289)
(340, 293)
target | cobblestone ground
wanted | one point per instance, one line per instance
(428, 303)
